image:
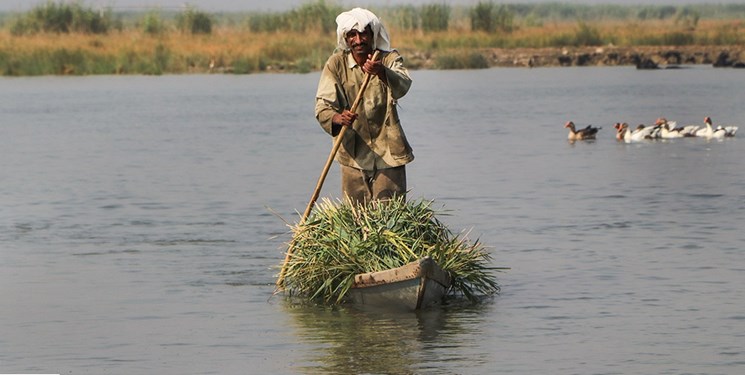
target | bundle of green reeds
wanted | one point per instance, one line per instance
(341, 239)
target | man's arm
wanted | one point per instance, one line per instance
(330, 101)
(397, 75)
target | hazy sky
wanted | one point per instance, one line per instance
(274, 5)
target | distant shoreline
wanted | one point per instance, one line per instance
(70, 39)
(643, 57)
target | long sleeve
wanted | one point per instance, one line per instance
(376, 139)
(398, 76)
(330, 98)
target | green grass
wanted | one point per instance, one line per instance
(341, 239)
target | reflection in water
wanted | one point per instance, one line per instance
(352, 341)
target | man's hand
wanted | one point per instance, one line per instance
(345, 118)
(375, 68)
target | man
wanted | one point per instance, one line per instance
(374, 150)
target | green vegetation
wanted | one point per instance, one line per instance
(341, 240)
(587, 35)
(153, 24)
(65, 37)
(461, 60)
(54, 17)
(308, 17)
(64, 61)
(490, 18)
(435, 17)
(194, 21)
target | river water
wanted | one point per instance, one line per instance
(142, 220)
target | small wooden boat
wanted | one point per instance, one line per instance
(413, 286)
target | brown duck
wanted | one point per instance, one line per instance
(588, 132)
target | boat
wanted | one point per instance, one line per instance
(414, 286)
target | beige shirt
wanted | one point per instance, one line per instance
(376, 140)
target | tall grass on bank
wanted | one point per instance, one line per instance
(435, 17)
(66, 38)
(52, 17)
(342, 239)
(194, 21)
(153, 24)
(317, 16)
(487, 16)
(137, 52)
(241, 51)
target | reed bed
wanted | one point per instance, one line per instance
(341, 239)
(300, 40)
(241, 51)
(137, 52)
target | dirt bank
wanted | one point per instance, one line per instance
(641, 57)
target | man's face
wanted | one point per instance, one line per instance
(360, 42)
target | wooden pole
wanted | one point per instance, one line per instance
(324, 173)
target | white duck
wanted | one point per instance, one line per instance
(643, 132)
(665, 131)
(729, 131)
(637, 135)
(669, 130)
(588, 132)
(709, 132)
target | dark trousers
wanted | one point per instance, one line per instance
(363, 186)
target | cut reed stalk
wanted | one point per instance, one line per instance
(342, 239)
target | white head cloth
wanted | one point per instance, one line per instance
(358, 19)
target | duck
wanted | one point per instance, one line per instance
(620, 131)
(709, 132)
(588, 132)
(665, 131)
(729, 131)
(669, 130)
(640, 133)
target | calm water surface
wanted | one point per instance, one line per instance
(142, 220)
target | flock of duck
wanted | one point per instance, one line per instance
(662, 129)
